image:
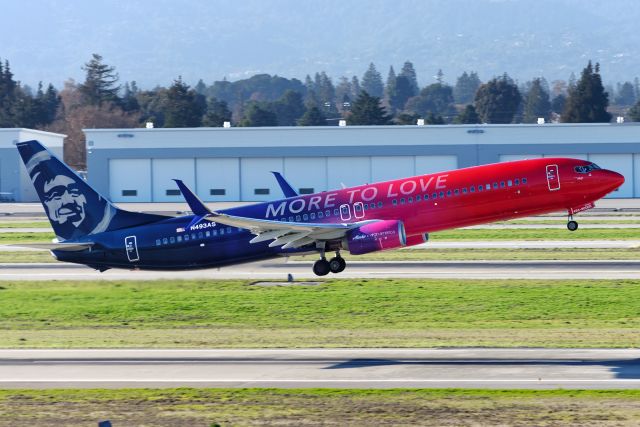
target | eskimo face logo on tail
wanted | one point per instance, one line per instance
(72, 206)
(64, 201)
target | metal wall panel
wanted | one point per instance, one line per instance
(164, 171)
(350, 171)
(570, 156)
(621, 163)
(433, 164)
(391, 167)
(306, 173)
(215, 176)
(257, 181)
(130, 180)
(512, 157)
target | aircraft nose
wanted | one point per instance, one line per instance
(614, 179)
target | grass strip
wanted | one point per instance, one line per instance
(336, 313)
(7, 257)
(29, 224)
(398, 407)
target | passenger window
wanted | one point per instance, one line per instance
(327, 213)
(312, 215)
(410, 199)
(207, 233)
(426, 197)
(524, 180)
(418, 198)
(448, 193)
(229, 230)
(472, 189)
(395, 202)
(402, 201)
(172, 240)
(509, 183)
(456, 192)
(298, 219)
(441, 194)
(336, 212)
(179, 239)
(434, 196)
(186, 237)
(480, 188)
(320, 214)
(501, 184)
(193, 236)
(373, 205)
(495, 185)
(517, 181)
(464, 191)
(214, 232)
(158, 242)
(379, 204)
(165, 241)
(488, 186)
(305, 217)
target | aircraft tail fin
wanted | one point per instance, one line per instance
(287, 189)
(74, 208)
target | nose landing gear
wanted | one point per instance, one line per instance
(572, 225)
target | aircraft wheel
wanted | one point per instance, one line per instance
(337, 264)
(572, 225)
(321, 267)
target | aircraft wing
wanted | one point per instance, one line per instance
(286, 234)
(56, 246)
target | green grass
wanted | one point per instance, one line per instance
(30, 237)
(537, 234)
(30, 224)
(26, 256)
(398, 407)
(340, 313)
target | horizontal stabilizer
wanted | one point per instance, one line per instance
(56, 246)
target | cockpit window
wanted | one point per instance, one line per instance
(587, 168)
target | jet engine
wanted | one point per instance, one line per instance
(376, 236)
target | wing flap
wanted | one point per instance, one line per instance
(56, 246)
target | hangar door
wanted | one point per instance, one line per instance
(350, 171)
(164, 171)
(433, 164)
(257, 181)
(306, 174)
(621, 163)
(386, 168)
(217, 179)
(130, 180)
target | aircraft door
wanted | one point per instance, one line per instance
(553, 177)
(131, 246)
(358, 210)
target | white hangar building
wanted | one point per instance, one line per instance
(233, 164)
(15, 185)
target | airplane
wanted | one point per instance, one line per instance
(386, 215)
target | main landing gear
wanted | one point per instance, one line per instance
(322, 267)
(572, 225)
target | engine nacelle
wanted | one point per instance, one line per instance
(417, 239)
(377, 236)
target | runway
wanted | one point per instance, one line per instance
(279, 270)
(341, 368)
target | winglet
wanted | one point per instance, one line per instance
(194, 202)
(284, 185)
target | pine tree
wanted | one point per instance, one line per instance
(634, 112)
(410, 73)
(372, 82)
(312, 117)
(289, 108)
(390, 87)
(469, 116)
(497, 100)
(100, 84)
(356, 89)
(183, 107)
(587, 101)
(366, 110)
(626, 94)
(403, 91)
(258, 116)
(217, 113)
(466, 86)
(537, 104)
(436, 98)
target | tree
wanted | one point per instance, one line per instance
(129, 101)
(410, 73)
(469, 116)
(432, 119)
(372, 82)
(8, 89)
(100, 84)
(626, 94)
(537, 103)
(183, 106)
(257, 116)
(403, 91)
(406, 119)
(312, 117)
(289, 108)
(390, 87)
(497, 100)
(634, 112)
(366, 110)
(437, 98)
(466, 86)
(587, 101)
(558, 103)
(217, 113)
